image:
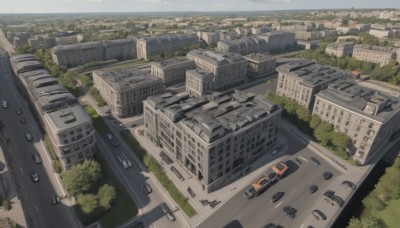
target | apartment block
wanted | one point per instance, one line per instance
(367, 116)
(260, 64)
(259, 30)
(228, 69)
(124, 90)
(199, 82)
(148, 47)
(211, 38)
(213, 137)
(381, 33)
(242, 46)
(374, 54)
(72, 55)
(172, 71)
(302, 79)
(66, 122)
(340, 49)
(278, 40)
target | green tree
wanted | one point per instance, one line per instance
(80, 178)
(372, 222)
(6, 205)
(106, 195)
(340, 140)
(373, 201)
(303, 114)
(88, 202)
(323, 133)
(355, 223)
(315, 121)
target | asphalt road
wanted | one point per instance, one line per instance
(40, 211)
(260, 211)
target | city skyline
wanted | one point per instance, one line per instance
(82, 6)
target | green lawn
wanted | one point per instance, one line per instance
(98, 122)
(390, 215)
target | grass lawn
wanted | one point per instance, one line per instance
(125, 65)
(390, 215)
(98, 122)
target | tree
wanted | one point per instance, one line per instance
(355, 223)
(323, 133)
(373, 201)
(6, 205)
(315, 121)
(372, 222)
(88, 202)
(80, 178)
(340, 140)
(106, 195)
(303, 114)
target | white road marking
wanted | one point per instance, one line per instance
(302, 225)
(279, 204)
(21, 171)
(303, 158)
(36, 209)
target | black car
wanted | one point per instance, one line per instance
(146, 188)
(290, 211)
(23, 121)
(55, 199)
(315, 161)
(250, 193)
(318, 215)
(272, 225)
(313, 188)
(36, 158)
(339, 201)
(329, 194)
(165, 208)
(273, 177)
(327, 175)
(277, 196)
(349, 184)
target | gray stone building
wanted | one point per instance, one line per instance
(211, 38)
(228, 69)
(124, 90)
(242, 46)
(214, 137)
(368, 117)
(172, 71)
(302, 79)
(259, 30)
(72, 55)
(278, 40)
(260, 64)
(374, 54)
(66, 122)
(199, 82)
(340, 49)
(148, 47)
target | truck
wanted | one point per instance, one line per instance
(280, 169)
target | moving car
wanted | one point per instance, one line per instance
(327, 175)
(277, 196)
(4, 104)
(349, 184)
(146, 188)
(313, 188)
(19, 110)
(112, 139)
(315, 161)
(35, 177)
(290, 211)
(23, 120)
(124, 161)
(167, 211)
(318, 215)
(250, 193)
(28, 136)
(273, 177)
(37, 158)
(55, 199)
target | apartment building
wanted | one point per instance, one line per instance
(367, 116)
(340, 49)
(228, 69)
(374, 54)
(148, 47)
(213, 137)
(278, 40)
(302, 79)
(211, 38)
(73, 55)
(260, 64)
(124, 90)
(65, 121)
(172, 71)
(242, 46)
(381, 33)
(199, 82)
(259, 30)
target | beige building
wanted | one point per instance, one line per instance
(380, 33)
(172, 71)
(66, 122)
(374, 54)
(228, 69)
(242, 46)
(213, 137)
(78, 54)
(302, 79)
(124, 90)
(340, 49)
(306, 35)
(368, 117)
(278, 40)
(260, 64)
(211, 38)
(259, 30)
(199, 82)
(148, 47)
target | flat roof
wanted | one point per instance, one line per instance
(164, 64)
(216, 58)
(67, 118)
(90, 45)
(200, 74)
(259, 57)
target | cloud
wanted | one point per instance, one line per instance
(98, 1)
(271, 1)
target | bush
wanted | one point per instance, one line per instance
(6, 205)
(80, 178)
(57, 167)
(88, 203)
(106, 195)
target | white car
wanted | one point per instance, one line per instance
(124, 161)
(4, 104)
(35, 177)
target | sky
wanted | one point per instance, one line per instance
(80, 6)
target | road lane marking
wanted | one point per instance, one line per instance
(303, 158)
(302, 225)
(22, 172)
(36, 209)
(279, 204)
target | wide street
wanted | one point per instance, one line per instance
(36, 197)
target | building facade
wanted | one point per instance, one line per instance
(260, 64)
(214, 137)
(278, 40)
(124, 90)
(78, 54)
(243, 46)
(368, 117)
(302, 79)
(374, 54)
(199, 82)
(148, 47)
(211, 38)
(172, 71)
(259, 30)
(381, 33)
(228, 69)
(340, 49)
(66, 122)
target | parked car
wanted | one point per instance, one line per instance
(318, 215)
(28, 136)
(250, 193)
(124, 161)
(327, 175)
(349, 184)
(146, 188)
(329, 194)
(170, 216)
(55, 199)
(165, 208)
(4, 103)
(272, 225)
(35, 177)
(315, 161)
(23, 120)
(290, 211)
(177, 173)
(313, 188)
(37, 158)
(273, 177)
(339, 201)
(19, 110)
(277, 196)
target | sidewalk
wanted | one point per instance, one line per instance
(222, 195)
